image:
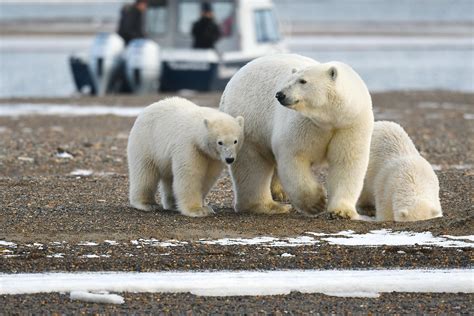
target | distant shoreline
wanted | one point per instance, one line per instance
(81, 27)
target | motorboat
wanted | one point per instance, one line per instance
(165, 60)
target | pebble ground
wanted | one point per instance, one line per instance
(42, 202)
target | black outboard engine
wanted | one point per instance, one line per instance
(143, 66)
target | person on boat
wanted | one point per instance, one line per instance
(131, 25)
(205, 31)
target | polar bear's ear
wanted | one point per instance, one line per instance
(333, 73)
(294, 70)
(240, 120)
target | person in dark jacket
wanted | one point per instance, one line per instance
(132, 17)
(205, 31)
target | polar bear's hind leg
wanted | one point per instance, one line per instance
(144, 179)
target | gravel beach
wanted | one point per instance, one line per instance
(59, 201)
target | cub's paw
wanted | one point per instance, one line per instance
(198, 212)
(145, 207)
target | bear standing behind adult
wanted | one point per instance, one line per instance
(323, 114)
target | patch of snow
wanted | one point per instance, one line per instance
(157, 243)
(87, 243)
(232, 283)
(97, 297)
(27, 159)
(7, 244)
(4, 129)
(64, 155)
(55, 255)
(90, 256)
(448, 167)
(386, 237)
(462, 167)
(341, 233)
(111, 242)
(444, 105)
(366, 218)
(56, 243)
(469, 116)
(470, 237)
(437, 167)
(264, 241)
(67, 110)
(82, 172)
(287, 255)
(353, 294)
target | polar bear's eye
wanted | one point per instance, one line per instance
(302, 81)
(220, 143)
(235, 141)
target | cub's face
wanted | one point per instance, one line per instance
(225, 138)
(309, 91)
(422, 210)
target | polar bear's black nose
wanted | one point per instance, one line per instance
(280, 96)
(229, 160)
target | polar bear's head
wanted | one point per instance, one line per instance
(330, 93)
(225, 136)
(420, 210)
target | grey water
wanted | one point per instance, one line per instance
(38, 67)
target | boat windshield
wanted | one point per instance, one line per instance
(190, 11)
(266, 26)
(156, 17)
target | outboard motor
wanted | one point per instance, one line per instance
(143, 66)
(106, 60)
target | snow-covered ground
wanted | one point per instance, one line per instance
(375, 238)
(365, 283)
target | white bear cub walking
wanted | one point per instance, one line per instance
(183, 147)
(399, 182)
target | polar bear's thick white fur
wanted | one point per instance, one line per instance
(183, 147)
(399, 182)
(324, 115)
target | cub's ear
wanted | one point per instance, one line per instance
(240, 120)
(294, 70)
(332, 73)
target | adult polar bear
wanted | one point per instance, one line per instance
(325, 115)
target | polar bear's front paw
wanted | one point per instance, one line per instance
(198, 212)
(145, 207)
(345, 213)
(279, 195)
(270, 208)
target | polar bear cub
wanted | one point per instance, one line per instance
(399, 182)
(184, 148)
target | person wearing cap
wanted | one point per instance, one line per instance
(131, 25)
(205, 31)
